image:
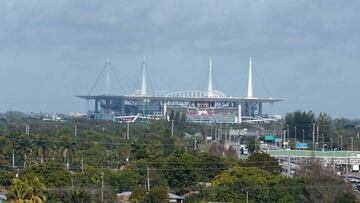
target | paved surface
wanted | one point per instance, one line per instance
(316, 154)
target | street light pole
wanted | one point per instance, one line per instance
(102, 186)
(331, 143)
(295, 136)
(317, 136)
(128, 130)
(288, 132)
(313, 136)
(334, 163)
(172, 128)
(284, 141)
(340, 142)
(75, 130)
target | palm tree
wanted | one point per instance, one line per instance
(24, 146)
(68, 149)
(18, 191)
(78, 196)
(38, 190)
(41, 147)
(27, 190)
(11, 144)
(2, 151)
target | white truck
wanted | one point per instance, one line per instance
(355, 167)
(244, 150)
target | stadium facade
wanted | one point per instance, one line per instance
(209, 106)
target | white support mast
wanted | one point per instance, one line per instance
(143, 81)
(107, 85)
(210, 84)
(250, 81)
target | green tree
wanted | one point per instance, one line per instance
(40, 145)
(78, 196)
(181, 170)
(138, 195)
(210, 166)
(27, 190)
(139, 151)
(254, 144)
(23, 145)
(123, 180)
(231, 184)
(3, 161)
(168, 142)
(90, 176)
(157, 195)
(18, 191)
(301, 120)
(324, 121)
(263, 161)
(52, 174)
(68, 149)
(346, 197)
(289, 190)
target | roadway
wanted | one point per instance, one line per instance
(315, 154)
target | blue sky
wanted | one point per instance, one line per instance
(305, 51)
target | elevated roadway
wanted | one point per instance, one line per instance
(315, 154)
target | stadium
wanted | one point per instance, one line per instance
(209, 106)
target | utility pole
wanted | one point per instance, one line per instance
(348, 164)
(220, 132)
(284, 133)
(288, 132)
(313, 136)
(352, 143)
(75, 130)
(323, 143)
(27, 129)
(13, 158)
(172, 127)
(317, 136)
(128, 130)
(331, 143)
(334, 164)
(102, 186)
(148, 178)
(295, 137)
(340, 142)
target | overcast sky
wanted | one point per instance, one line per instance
(304, 51)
